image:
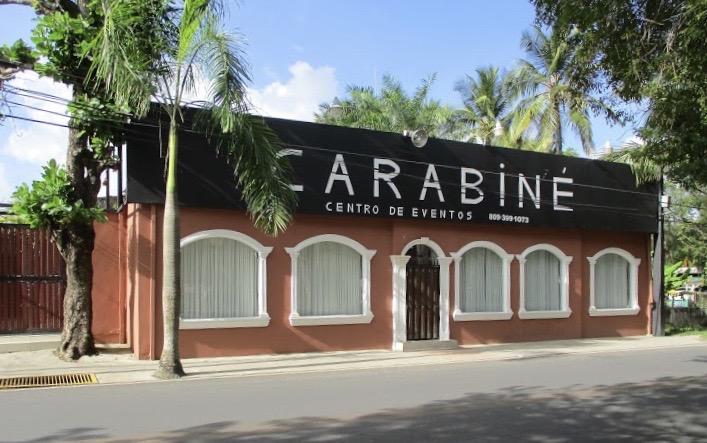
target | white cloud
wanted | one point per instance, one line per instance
(633, 140)
(299, 97)
(30, 142)
(27, 143)
(5, 190)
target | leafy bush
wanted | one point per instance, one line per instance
(50, 202)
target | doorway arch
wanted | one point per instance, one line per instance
(421, 294)
(400, 262)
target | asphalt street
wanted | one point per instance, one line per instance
(655, 395)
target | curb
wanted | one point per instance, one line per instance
(116, 365)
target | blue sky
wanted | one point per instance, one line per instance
(304, 52)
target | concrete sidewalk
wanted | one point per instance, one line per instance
(121, 367)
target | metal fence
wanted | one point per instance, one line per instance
(687, 309)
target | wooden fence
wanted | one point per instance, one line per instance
(32, 281)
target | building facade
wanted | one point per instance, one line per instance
(392, 247)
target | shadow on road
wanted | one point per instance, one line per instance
(669, 409)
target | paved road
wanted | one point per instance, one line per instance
(657, 395)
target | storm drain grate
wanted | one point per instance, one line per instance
(47, 380)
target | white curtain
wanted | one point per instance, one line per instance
(543, 282)
(329, 280)
(219, 279)
(481, 281)
(611, 282)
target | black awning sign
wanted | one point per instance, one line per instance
(345, 171)
(429, 198)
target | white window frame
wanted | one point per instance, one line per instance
(366, 315)
(565, 261)
(262, 319)
(633, 284)
(507, 258)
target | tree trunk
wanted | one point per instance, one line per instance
(558, 132)
(76, 337)
(76, 244)
(170, 365)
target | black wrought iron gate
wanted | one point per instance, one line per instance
(32, 281)
(422, 319)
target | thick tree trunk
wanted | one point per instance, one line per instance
(76, 244)
(170, 365)
(76, 337)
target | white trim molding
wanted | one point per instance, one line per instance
(399, 300)
(262, 319)
(366, 315)
(633, 263)
(400, 291)
(565, 261)
(506, 313)
(425, 241)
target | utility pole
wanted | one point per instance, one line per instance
(658, 303)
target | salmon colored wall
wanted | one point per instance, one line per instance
(280, 336)
(141, 282)
(108, 280)
(388, 237)
(637, 245)
(514, 241)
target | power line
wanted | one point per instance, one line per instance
(320, 149)
(17, 117)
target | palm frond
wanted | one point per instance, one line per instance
(195, 15)
(223, 54)
(126, 53)
(253, 150)
(633, 154)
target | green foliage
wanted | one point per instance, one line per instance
(63, 41)
(486, 104)
(192, 44)
(63, 52)
(185, 42)
(128, 53)
(672, 280)
(10, 218)
(650, 52)
(685, 330)
(99, 120)
(570, 152)
(392, 109)
(18, 52)
(623, 40)
(643, 168)
(49, 203)
(552, 95)
(252, 149)
(686, 226)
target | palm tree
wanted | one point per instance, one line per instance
(633, 154)
(195, 47)
(486, 103)
(551, 97)
(392, 109)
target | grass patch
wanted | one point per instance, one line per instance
(686, 330)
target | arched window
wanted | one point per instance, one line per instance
(482, 282)
(331, 281)
(613, 287)
(544, 283)
(223, 281)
